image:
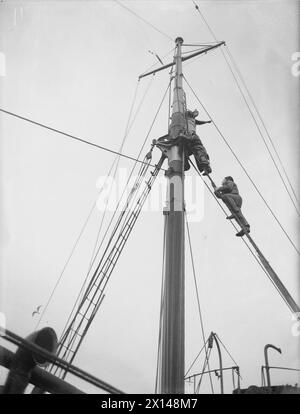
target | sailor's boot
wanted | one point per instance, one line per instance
(207, 169)
(203, 164)
(240, 233)
(245, 230)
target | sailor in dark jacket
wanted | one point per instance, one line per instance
(229, 193)
(195, 145)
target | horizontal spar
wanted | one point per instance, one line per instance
(183, 59)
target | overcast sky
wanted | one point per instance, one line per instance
(74, 65)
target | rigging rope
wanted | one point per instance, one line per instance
(244, 241)
(206, 361)
(131, 173)
(244, 169)
(118, 153)
(253, 115)
(116, 160)
(199, 308)
(140, 175)
(195, 360)
(92, 300)
(141, 103)
(194, 50)
(206, 44)
(72, 136)
(155, 64)
(87, 290)
(262, 137)
(143, 20)
(256, 110)
(64, 268)
(197, 294)
(229, 354)
(263, 123)
(80, 298)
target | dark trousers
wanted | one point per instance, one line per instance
(234, 203)
(196, 148)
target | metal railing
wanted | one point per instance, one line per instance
(265, 368)
(218, 372)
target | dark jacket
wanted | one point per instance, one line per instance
(228, 187)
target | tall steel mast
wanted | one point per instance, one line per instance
(172, 351)
(171, 369)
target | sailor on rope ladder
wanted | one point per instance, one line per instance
(229, 194)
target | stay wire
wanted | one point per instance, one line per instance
(93, 258)
(206, 361)
(144, 20)
(141, 102)
(263, 123)
(127, 130)
(244, 169)
(195, 359)
(205, 21)
(95, 245)
(118, 204)
(256, 109)
(229, 354)
(252, 114)
(96, 272)
(73, 314)
(262, 136)
(84, 141)
(129, 178)
(197, 294)
(117, 159)
(246, 244)
(206, 44)
(249, 248)
(88, 287)
(156, 64)
(193, 50)
(64, 267)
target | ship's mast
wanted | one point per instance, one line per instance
(171, 367)
(172, 351)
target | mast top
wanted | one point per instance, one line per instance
(179, 40)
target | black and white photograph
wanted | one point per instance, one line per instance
(149, 199)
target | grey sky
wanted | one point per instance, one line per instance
(74, 66)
